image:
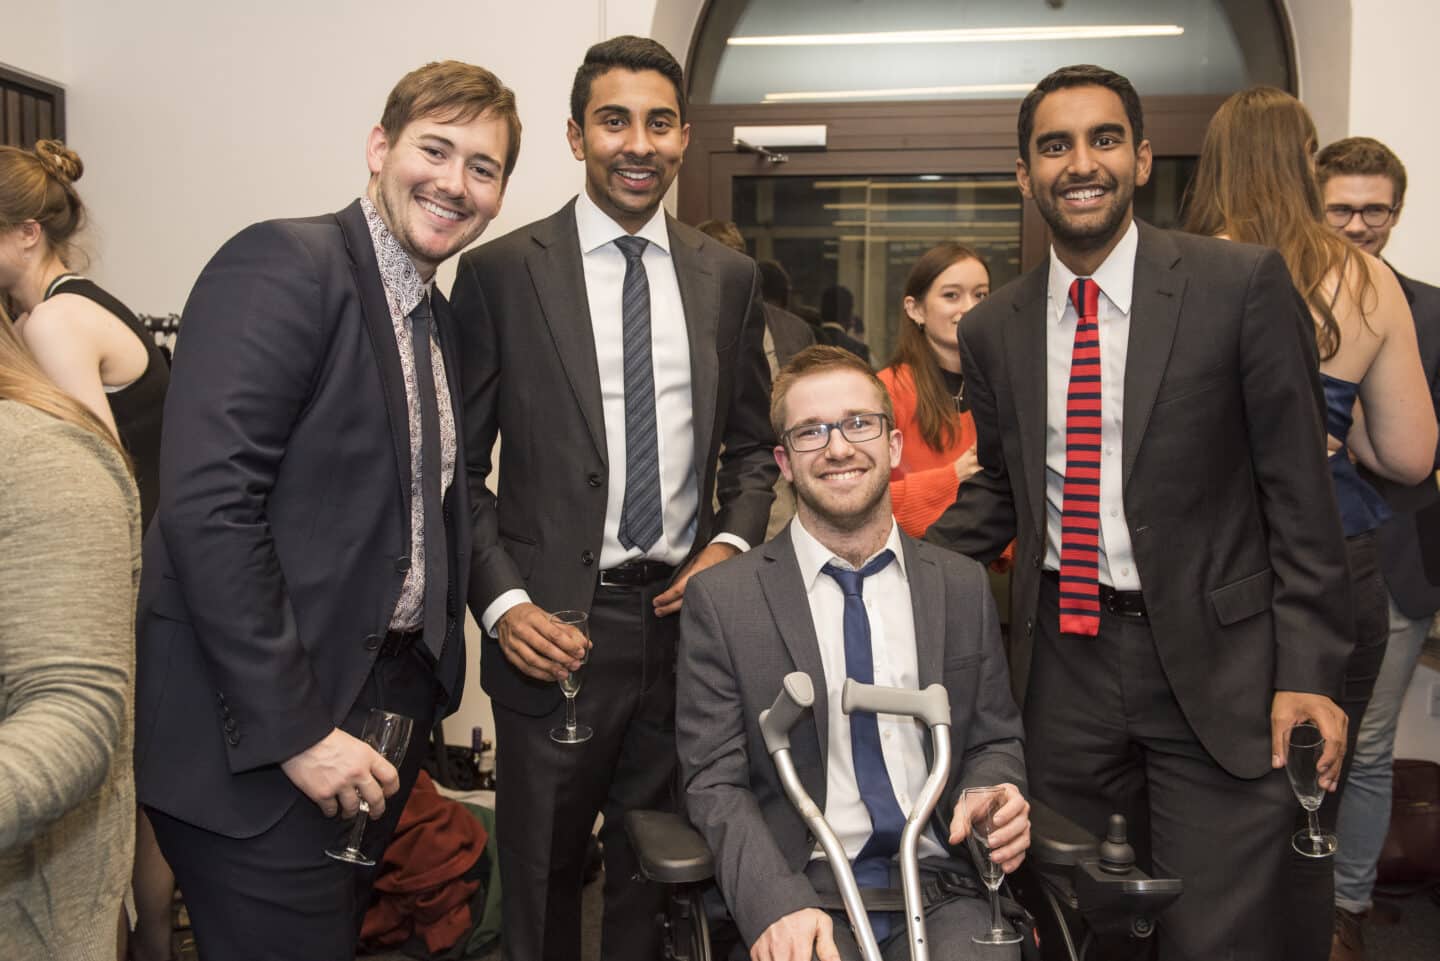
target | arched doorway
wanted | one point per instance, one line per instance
(916, 101)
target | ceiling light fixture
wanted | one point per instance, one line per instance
(969, 35)
(892, 92)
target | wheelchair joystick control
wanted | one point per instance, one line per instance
(1116, 854)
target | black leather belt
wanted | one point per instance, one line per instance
(1119, 603)
(398, 642)
(636, 574)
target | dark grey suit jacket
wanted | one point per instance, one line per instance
(1227, 494)
(531, 377)
(745, 625)
(790, 333)
(282, 535)
(1409, 542)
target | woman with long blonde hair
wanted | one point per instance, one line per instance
(70, 562)
(1256, 183)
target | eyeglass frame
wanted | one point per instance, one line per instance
(830, 428)
(1390, 213)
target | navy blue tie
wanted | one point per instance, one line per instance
(887, 821)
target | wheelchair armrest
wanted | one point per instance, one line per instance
(1056, 841)
(669, 850)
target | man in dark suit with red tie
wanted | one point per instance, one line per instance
(1149, 420)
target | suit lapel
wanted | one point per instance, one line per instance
(927, 600)
(1026, 362)
(381, 330)
(785, 595)
(558, 275)
(1154, 317)
(699, 297)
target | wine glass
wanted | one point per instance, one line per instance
(572, 733)
(978, 806)
(389, 734)
(1303, 747)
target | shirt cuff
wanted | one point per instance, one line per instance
(490, 617)
(734, 540)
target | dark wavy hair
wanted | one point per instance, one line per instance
(624, 53)
(1080, 75)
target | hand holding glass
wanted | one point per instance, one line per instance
(1303, 747)
(388, 734)
(572, 733)
(978, 806)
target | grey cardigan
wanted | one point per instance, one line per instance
(69, 568)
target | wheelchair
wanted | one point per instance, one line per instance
(1080, 891)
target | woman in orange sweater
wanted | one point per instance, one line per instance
(927, 386)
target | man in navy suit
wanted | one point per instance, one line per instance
(1364, 188)
(308, 557)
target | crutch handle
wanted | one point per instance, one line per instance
(931, 705)
(796, 696)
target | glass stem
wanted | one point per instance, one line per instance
(357, 830)
(1314, 817)
(995, 911)
(570, 713)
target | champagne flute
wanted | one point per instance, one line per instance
(1303, 746)
(978, 806)
(389, 734)
(572, 733)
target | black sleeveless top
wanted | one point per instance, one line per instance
(139, 407)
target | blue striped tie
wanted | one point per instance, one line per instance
(887, 821)
(640, 515)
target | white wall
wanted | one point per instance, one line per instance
(1392, 99)
(32, 37)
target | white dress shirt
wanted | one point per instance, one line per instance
(892, 644)
(604, 268)
(1116, 279)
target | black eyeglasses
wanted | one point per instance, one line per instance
(855, 428)
(1374, 215)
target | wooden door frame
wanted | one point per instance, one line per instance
(908, 137)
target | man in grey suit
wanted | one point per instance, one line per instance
(1364, 188)
(1149, 416)
(926, 617)
(616, 352)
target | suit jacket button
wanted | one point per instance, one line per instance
(402, 564)
(230, 725)
(593, 479)
(587, 558)
(1036, 562)
(1029, 627)
(372, 642)
(232, 739)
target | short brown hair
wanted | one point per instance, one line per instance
(452, 92)
(820, 359)
(1361, 157)
(724, 231)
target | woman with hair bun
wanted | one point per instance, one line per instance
(83, 338)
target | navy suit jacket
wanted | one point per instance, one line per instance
(282, 535)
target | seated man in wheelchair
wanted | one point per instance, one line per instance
(843, 593)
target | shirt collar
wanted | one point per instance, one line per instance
(813, 555)
(597, 229)
(1116, 276)
(403, 286)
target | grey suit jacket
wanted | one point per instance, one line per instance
(745, 625)
(790, 333)
(1227, 494)
(530, 375)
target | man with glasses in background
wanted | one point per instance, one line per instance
(1363, 183)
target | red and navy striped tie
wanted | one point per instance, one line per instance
(1080, 509)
